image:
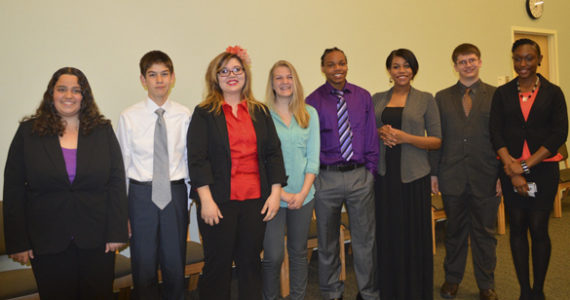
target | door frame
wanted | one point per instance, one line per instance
(552, 37)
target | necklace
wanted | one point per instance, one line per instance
(525, 98)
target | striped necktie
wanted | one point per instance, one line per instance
(344, 131)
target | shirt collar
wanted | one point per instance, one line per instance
(474, 87)
(152, 107)
(347, 88)
(242, 104)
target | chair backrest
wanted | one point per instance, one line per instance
(2, 242)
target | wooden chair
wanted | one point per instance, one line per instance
(563, 184)
(123, 277)
(438, 214)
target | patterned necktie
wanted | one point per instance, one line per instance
(467, 102)
(344, 131)
(161, 195)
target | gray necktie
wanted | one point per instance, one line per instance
(160, 168)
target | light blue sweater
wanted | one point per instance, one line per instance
(301, 148)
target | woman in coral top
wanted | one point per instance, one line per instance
(528, 124)
(236, 166)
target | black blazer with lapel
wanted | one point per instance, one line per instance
(466, 154)
(43, 211)
(209, 158)
(547, 123)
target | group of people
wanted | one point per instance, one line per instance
(258, 170)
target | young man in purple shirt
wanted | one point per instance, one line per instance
(349, 157)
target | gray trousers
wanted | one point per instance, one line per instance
(471, 218)
(297, 222)
(355, 189)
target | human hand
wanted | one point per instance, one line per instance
(513, 168)
(271, 207)
(210, 212)
(297, 201)
(129, 228)
(285, 196)
(434, 185)
(519, 182)
(22, 257)
(498, 188)
(112, 247)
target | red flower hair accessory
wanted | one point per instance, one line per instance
(240, 52)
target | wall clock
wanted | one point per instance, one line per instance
(534, 8)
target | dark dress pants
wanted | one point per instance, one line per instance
(75, 274)
(159, 238)
(474, 219)
(238, 237)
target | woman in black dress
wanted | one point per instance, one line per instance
(528, 124)
(403, 117)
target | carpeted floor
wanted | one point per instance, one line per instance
(557, 285)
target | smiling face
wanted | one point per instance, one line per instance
(468, 65)
(67, 96)
(232, 84)
(282, 82)
(158, 80)
(401, 72)
(526, 61)
(335, 68)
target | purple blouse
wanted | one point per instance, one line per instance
(70, 158)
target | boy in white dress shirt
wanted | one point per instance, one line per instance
(152, 134)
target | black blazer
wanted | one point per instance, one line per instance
(209, 158)
(43, 211)
(547, 123)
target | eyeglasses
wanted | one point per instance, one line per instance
(466, 62)
(225, 72)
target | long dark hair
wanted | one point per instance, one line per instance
(46, 119)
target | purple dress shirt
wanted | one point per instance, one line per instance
(362, 124)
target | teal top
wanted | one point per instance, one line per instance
(301, 148)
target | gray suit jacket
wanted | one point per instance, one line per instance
(420, 116)
(466, 154)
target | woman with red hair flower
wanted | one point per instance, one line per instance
(236, 166)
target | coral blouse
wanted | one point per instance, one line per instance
(244, 182)
(526, 101)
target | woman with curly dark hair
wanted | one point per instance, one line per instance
(65, 204)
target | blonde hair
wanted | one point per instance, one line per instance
(214, 95)
(297, 103)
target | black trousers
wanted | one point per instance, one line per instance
(159, 238)
(75, 274)
(238, 237)
(474, 219)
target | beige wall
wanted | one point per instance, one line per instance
(106, 38)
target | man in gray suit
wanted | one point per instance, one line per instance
(465, 170)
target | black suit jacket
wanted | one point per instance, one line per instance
(547, 123)
(43, 211)
(209, 157)
(466, 155)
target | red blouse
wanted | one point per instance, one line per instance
(244, 183)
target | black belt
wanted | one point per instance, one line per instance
(174, 182)
(341, 167)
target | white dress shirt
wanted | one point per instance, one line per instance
(136, 137)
